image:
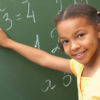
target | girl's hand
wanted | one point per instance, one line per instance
(3, 39)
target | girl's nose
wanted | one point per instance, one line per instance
(75, 46)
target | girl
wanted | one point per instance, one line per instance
(78, 28)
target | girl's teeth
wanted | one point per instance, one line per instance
(78, 54)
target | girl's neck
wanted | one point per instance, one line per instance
(90, 68)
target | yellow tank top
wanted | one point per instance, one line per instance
(84, 83)
(76, 70)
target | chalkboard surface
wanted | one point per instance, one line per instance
(31, 22)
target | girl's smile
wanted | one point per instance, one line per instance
(80, 55)
(79, 39)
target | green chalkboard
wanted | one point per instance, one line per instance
(31, 22)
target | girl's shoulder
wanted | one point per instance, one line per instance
(76, 67)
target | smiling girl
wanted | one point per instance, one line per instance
(78, 28)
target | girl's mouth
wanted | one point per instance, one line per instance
(80, 55)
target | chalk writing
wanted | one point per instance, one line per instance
(52, 32)
(60, 2)
(76, 1)
(9, 20)
(86, 1)
(48, 85)
(67, 79)
(2, 10)
(54, 49)
(18, 17)
(37, 43)
(52, 36)
(32, 15)
(54, 29)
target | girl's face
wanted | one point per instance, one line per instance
(79, 39)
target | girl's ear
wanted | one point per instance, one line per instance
(98, 30)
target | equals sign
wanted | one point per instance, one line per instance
(18, 17)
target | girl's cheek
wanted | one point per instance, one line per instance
(67, 51)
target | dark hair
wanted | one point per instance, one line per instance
(78, 10)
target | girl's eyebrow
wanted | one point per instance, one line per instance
(74, 33)
(78, 31)
(62, 38)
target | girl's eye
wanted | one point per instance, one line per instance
(65, 42)
(80, 35)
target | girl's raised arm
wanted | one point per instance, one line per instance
(35, 55)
